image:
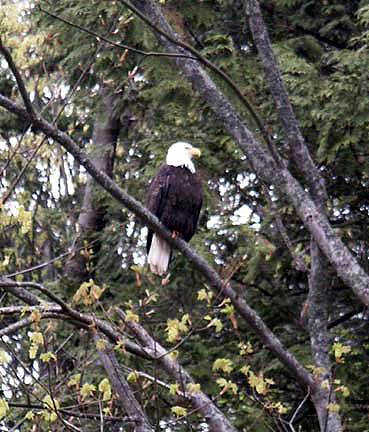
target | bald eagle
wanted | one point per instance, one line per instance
(175, 197)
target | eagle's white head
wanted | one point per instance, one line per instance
(181, 154)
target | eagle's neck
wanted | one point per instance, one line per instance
(180, 161)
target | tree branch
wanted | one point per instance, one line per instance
(126, 397)
(318, 280)
(18, 78)
(76, 318)
(216, 419)
(282, 103)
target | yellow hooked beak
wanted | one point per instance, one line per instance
(195, 152)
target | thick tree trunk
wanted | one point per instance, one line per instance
(324, 394)
(91, 219)
(318, 280)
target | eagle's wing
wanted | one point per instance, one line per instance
(156, 197)
(196, 211)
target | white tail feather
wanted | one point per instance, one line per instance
(159, 255)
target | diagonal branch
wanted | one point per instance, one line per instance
(126, 397)
(109, 41)
(216, 419)
(137, 8)
(74, 317)
(18, 78)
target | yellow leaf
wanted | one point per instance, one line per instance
(119, 346)
(245, 369)
(217, 323)
(172, 329)
(101, 344)
(224, 365)
(133, 377)
(202, 295)
(179, 411)
(36, 316)
(339, 350)
(47, 357)
(37, 339)
(227, 385)
(245, 348)
(87, 390)
(105, 389)
(173, 389)
(51, 407)
(333, 407)
(131, 316)
(4, 357)
(174, 355)
(258, 383)
(4, 408)
(30, 415)
(25, 219)
(74, 381)
(193, 388)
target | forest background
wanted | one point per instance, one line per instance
(262, 323)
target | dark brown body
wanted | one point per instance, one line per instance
(175, 197)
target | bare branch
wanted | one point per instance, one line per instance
(22, 88)
(121, 386)
(216, 419)
(73, 316)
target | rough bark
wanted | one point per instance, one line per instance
(202, 403)
(318, 280)
(319, 337)
(295, 139)
(91, 219)
(131, 406)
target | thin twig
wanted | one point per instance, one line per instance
(290, 423)
(100, 37)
